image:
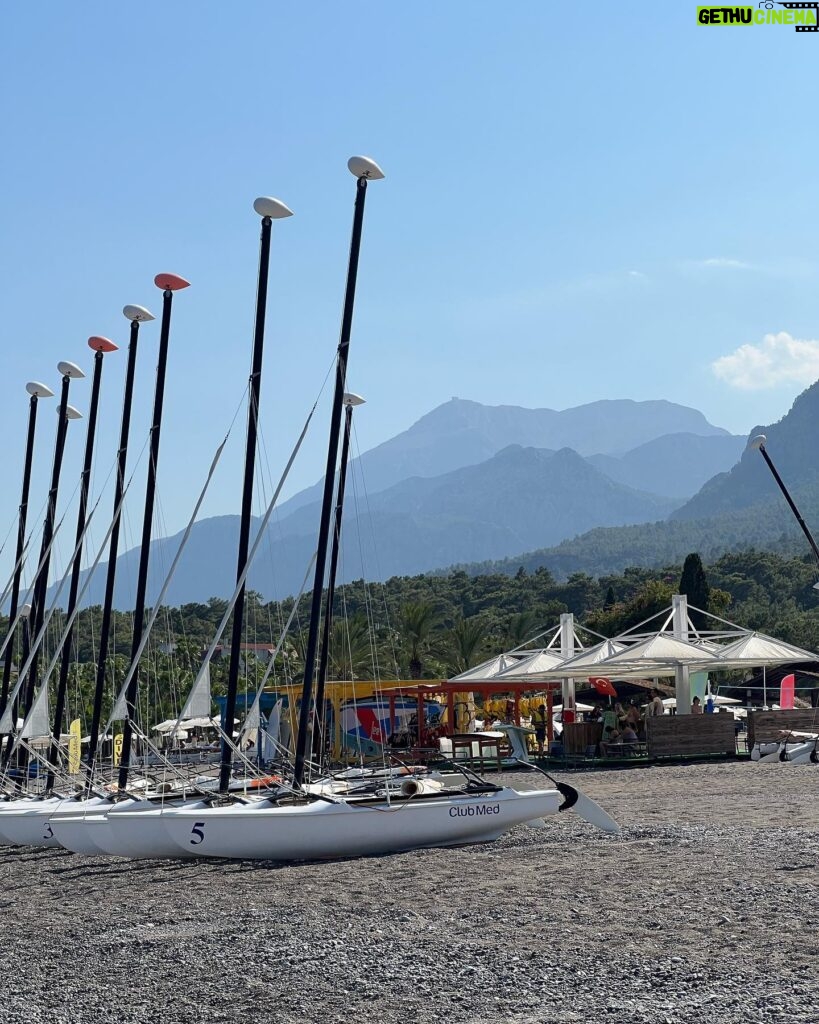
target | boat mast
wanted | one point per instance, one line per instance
(759, 442)
(65, 412)
(169, 283)
(350, 402)
(36, 391)
(363, 169)
(269, 210)
(100, 346)
(136, 315)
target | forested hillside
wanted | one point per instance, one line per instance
(434, 626)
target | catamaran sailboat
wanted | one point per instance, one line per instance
(291, 816)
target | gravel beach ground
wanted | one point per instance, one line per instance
(701, 910)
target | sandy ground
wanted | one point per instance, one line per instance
(701, 910)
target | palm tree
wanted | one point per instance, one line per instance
(466, 641)
(350, 651)
(418, 621)
(520, 628)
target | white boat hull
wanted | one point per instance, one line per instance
(322, 830)
(135, 830)
(77, 831)
(786, 753)
(25, 822)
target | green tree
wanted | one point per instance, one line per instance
(350, 653)
(519, 629)
(419, 619)
(465, 643)
(694, 585)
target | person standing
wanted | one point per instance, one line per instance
(696, 706)
(610, 724)
(655, 705)
(539, 725)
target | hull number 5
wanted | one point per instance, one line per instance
(198, 831)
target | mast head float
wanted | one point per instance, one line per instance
(34, 387)
(70, 370)
(100, 344)
(171, 282)
(758, 442)
(72, 414)
(266, 206)
(364, 167)
(352, 400)
(138, 313)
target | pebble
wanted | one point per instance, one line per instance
(562, 923)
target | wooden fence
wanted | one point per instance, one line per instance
(674, 735)
(765, 726)
(579, 736)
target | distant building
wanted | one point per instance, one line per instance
(262, 652)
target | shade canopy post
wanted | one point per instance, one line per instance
(682, 681)
(567, 650)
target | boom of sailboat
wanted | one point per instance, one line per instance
(143, 805)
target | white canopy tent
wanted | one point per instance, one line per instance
(534, 666)
(491, 668)
(757, 649)
(676, 648)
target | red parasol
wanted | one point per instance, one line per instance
(603, 686)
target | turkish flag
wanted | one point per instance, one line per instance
(603, 686)
(786, 688)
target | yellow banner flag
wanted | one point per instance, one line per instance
(117, 749)
(74, 747)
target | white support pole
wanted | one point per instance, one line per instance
(567, 650)
(679, 603)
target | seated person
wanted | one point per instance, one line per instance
(614, 739)
(629, 738)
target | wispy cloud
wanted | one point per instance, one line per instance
(726, 264)
(777, 359)
(638, 274)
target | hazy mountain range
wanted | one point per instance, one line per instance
(467, 483)
(736, 509)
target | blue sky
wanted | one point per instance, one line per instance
(583, 201)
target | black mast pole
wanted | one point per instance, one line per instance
(169, 283)
(65, 413)
(363, 169)
(269, 209)
(36, 391)
(99, 346)
(350, 401)
(759, 442)
(137, 315)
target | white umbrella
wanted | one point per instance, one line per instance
(202, 723)
(718, 699)
(579, 706)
